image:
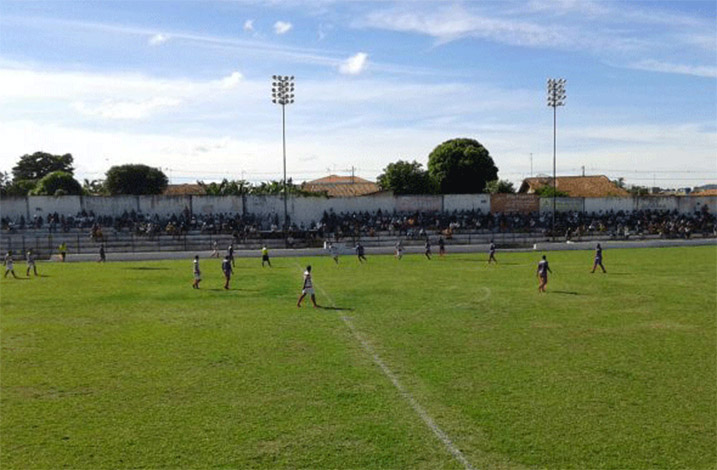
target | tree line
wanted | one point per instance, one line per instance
(457, 166)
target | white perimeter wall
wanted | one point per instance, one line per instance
(310, 209)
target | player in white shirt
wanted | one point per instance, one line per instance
(399, 249)
(30, 257)
(9, 268)
(308, 288)
(197, 273)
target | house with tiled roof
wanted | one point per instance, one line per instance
(704, 192)
(342, 186)
(575, 186)
(184, 190)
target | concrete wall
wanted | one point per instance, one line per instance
(116, 205)
(310, 209)
(562, 204)
(524, 203)
(466, 202)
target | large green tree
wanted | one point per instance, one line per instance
(404, 177)
(499, 187)
(135, 179)
(39, 164)
(461, 166)
(57, 183)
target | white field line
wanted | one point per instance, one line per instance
(420, 411)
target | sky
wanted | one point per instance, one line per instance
(186, 86)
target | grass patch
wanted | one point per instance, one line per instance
(124, 365)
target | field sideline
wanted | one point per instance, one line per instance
(124, 365)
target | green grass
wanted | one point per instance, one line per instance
(123, 365)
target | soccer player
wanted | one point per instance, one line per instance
(441, 246)
(30, 258)
(598, 259)
(428, 248)
(542, 272)
(103, 256)
(308, 288)
(265, 256)
(491, 256)
(215, 250)
(399, 249)
(360, 252)
(230, 253)
(334, 252)
(9, 268)
(63, 251)
(227, 270)
(198, 273)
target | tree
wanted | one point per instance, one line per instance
(499, 187)
(226, 188)
(57, 183)
(40, 164)
(461, 166)
(403, 177)
(135, 179)
(549, 191)
(639, 190)
(94, 187)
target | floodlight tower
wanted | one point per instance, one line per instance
(556, 97)
(282, 93)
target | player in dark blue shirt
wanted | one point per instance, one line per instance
(491, 256)
(360, 252)
(227, 270)
(598, 259)
(441, 246)
(428, 248)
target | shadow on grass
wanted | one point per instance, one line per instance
(566, 292)
(221, 289)
(146, 268)
(485, 261)
(324, 307)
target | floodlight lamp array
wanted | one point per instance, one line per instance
(556, 92)
(282, 89)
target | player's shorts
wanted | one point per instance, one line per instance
(265, 257)
(197, 277)
(308, 290)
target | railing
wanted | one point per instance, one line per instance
(46, 244)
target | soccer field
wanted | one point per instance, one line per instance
(448, 363)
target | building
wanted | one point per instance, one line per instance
(184, 190)
(575, 186)
(342, 186)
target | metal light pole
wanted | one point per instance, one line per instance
(282, 93)
(556, 97)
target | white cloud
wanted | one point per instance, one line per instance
(708, 71)
(158, 39)
(282, 27)
(355, 64)
(231, 81)
(249, 25)
(112, 109)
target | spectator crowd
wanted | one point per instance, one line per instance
(412, 225)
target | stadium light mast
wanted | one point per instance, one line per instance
(282, 93)
(556, 97)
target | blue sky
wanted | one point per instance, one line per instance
(185, 86)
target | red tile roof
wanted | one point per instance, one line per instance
(184, 190)
(576, 186)
(342, 186)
